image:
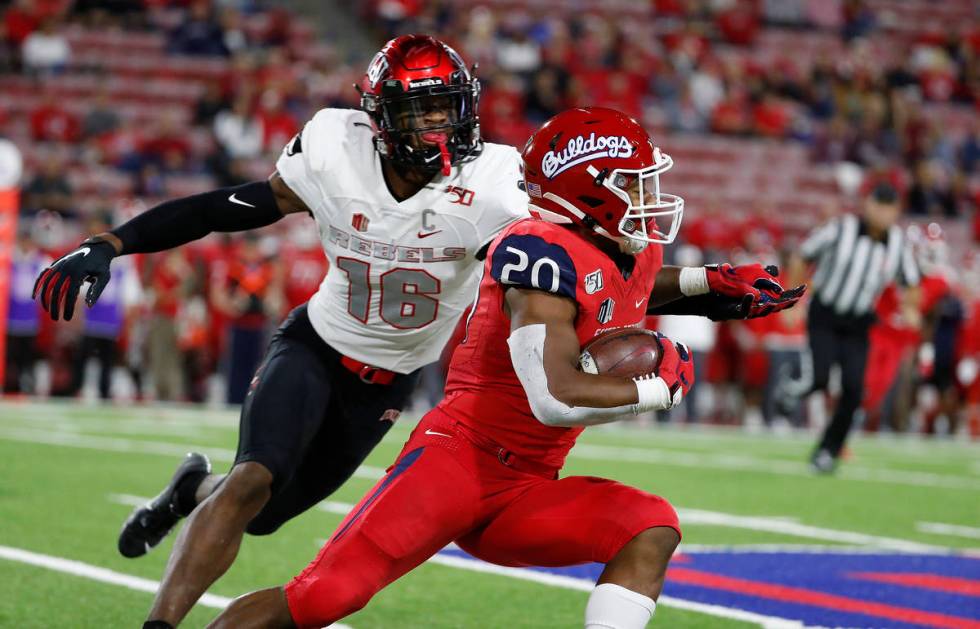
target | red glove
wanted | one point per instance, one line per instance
(756, 285)
(676, 366)
(746, 279)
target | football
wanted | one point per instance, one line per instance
(628, 353)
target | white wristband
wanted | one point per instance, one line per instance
(653, 394)
(693, 280)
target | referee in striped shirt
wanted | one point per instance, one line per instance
(856, 257)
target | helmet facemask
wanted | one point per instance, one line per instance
(645, 203)
(407, 139)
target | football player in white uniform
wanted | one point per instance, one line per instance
(406, 198)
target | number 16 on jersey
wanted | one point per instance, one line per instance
(407, 295)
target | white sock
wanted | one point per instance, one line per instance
(614, 607)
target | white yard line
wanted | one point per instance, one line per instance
(956, 530)
(189, 414)
(94, 573)
(771, 524)
(767, 466)
(330, 506)
(174, 420)
(111, 444)
(815, 549)
(587, 585)
(785, 527)
(104, 575)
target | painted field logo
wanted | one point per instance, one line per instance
(824, 588)
(583, 149)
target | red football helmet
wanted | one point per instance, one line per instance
(423, 102)
(599, 168)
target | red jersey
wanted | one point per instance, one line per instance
(889, 309)
(482, 390)
(305, 269)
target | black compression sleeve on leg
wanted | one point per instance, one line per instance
(180, 221)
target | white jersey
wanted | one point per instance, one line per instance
(401, 273)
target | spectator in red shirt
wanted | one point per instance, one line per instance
(731, 115)
(278, 125)
(250, 295)
(166, 284)
(739, 24)
(50, 122)
(305, 265)
(618, 93)
(770, 117)
(167, 145)
(20, 20)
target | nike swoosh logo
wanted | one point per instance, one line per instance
(84, 251)
(421, 235)
(233, 198)
(441, 434)
(640, 302)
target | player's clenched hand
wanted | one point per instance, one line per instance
(676, 368)
(58, 285)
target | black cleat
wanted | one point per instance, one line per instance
(147, 525)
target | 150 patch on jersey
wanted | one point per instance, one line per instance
(593, 282)
(531, 262)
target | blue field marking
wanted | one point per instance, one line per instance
(825, 573)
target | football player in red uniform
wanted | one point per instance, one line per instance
(482, 468)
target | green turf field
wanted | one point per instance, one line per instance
(69, 474)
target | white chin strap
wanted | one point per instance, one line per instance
(554, 217)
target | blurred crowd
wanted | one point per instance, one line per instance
(834, 79)
(228, 82)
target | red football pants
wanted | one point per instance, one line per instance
(444, 488)
(886, 354)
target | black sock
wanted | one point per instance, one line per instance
(185, 492)
(157, 624)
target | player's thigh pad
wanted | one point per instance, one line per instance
(347, 434)
(284, 408)
(424, 502)
(573, 520)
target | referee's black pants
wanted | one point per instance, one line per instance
(841, 340)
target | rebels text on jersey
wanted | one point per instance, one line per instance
(401, 273)
(482, 390)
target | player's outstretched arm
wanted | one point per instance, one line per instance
(164, 226)
(545, 351)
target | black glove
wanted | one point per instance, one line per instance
(59, 283)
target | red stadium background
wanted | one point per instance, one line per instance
(778, 115)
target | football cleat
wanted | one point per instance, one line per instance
(150, 523)
(823, 462)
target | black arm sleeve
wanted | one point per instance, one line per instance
(180, 221)
(712, 305)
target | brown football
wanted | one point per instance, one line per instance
(628, 353)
